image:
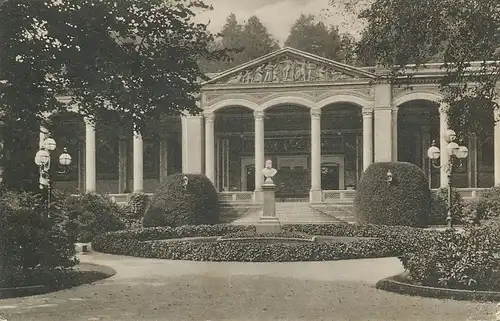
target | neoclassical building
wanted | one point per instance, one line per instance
(320, 122)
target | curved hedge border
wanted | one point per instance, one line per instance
(389, 241)
(397, 284)
(84, 273)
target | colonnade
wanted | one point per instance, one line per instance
(379, 144)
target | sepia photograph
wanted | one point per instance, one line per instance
(237, 160)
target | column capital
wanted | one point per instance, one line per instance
(443, 108)
(496, 114)
(367, 112)
(315, 113)
(258, 115)
(209, 117)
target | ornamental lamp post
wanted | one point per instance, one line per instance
(43, 160)
(455, 152)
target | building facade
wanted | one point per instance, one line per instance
(320, 122)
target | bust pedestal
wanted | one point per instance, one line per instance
(269, 222)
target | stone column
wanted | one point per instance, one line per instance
(367, 138)
(315, 195)
(90, 157)
(496, 144)
(259, 153)
(163, 170)
(383, 134)
(192, 145)
(444, 158)
(210, 147)
(122, 165)
(138, 163)
(395, 134)
(472, 161)
(383, 123)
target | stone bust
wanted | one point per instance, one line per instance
(269, 171)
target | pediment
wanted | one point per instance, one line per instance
(286, 66)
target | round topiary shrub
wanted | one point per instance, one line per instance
(403, 201)
(176, 203)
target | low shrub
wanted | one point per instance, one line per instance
(36, 244)
(135, 210)
(439, 207)
(388, 241)
(94, 214)
(174, 204)
(468, 260)
(404, 201)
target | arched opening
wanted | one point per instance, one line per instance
(234, 149)
(68, 130)
(287, 142)
(341, 146)
(418, 126)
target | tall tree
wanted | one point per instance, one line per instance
(229, 38)
(134, 57)
(241, 43)
(457, 32)
(257, 40)
(315, 37)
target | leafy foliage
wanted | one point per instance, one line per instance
(314, 37)
(466, 260)
(405, 201)
(454, 32)
(387, 241)
(485, 208)
(439, 207)
(240, 43)
(136, 57)
(174, 204)
(94, 214)
(35, 243)
(136, 209)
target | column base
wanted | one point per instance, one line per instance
(258, 196)
(268, 224)
(316, 196)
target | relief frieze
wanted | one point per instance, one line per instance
(287, 69)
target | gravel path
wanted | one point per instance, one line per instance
(151, 289)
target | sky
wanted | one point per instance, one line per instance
(279, 15)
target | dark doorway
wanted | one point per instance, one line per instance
(250, 172)
(330, 177)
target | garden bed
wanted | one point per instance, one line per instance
(83, 273)
(402, 284)
(337, 242)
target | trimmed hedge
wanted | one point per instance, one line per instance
(468, 260)
(389, 241)
(175, 205)
(405, 201)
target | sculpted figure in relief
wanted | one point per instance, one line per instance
(269, 72)
(287, 69)
(276, 74)
(258, 74)
(246, 77)
(321, 73)
(311, 67)
(236, 79)
(300, 73)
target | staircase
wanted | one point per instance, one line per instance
(291, 213)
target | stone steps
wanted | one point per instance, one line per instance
(290, 213)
